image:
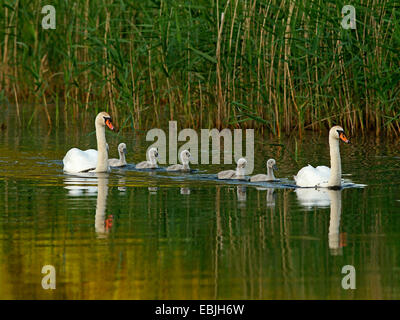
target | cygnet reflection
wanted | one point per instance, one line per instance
(270, 195)
(122, 184)
(185, 190)
(241, 193)
(152, 190)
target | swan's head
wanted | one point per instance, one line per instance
(271, 163)
(337, 133)
(104, 119)
(153, 153)
(122, 148)
(185, 156)
(241, 163)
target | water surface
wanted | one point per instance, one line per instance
(138, 235)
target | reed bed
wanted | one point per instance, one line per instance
(280, 66)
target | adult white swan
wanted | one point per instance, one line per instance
(323, 176)
(77, 160)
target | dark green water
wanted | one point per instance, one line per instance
(136, 235)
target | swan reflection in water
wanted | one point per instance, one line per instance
(84, 184)
(81, 184)
(326, 198)
(185, 190)
(241, 195)
(122, 184)
(270, 196)
(152, 190)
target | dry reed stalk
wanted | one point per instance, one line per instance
(41, 77)
(88, 96)
(220, 98)
(17, 105)
(286, 70)
(4, 78)
(109, 72)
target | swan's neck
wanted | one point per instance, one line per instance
(122, 157)
(185, 163)
(102, 154)
(270, 173)
(153, 160)
(335, 179)
(240, 172)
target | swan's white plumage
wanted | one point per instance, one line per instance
(185, 158)
(227, 174)
(271, 166)
(121, 162)
(177, 167)
(77, 160)
(151, 163)
(313, 177)
(259, 178)
(232, 174)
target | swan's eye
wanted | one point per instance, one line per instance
(343, 137)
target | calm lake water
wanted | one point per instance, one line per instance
(138, 235)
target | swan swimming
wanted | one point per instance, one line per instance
(121, 162)
(185, 157)
(152, 155)
(323, 176)
(234, 174)
(91, 160)
(271, 166)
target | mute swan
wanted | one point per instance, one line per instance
(152, 155)
(185, 157)
(77, 160)
(234, 174)
(271, 166)
(121, 162)
(323, 176)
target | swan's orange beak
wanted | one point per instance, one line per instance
(343, 137)
(109, 124)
